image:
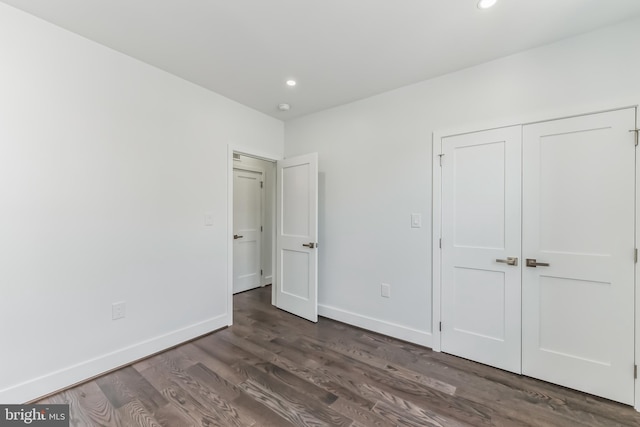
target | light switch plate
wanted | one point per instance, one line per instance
(416, 220)
(385, 290)
(208, 219)
(118, 310)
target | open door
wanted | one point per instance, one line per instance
(297, 232)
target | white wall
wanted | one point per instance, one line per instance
(107, 168)
(375, 164)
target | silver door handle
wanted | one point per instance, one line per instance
(510, 261)
(235, 237)
(533, 263)
(309, 245)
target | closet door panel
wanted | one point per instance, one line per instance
(578, 217)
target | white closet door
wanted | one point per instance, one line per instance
(481, 175)
(578, 217)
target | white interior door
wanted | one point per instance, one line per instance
(578, 217)
(247, 219)
(481, 287)
(297, 231)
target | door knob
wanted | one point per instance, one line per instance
(510, 260)
(309, 245)
(235, 237)
(533, 263)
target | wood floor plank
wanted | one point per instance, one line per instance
(77, 416)
(290, 359)
(295, 382)
(223, 351)
(295, 391)
(363, 416)
(206, 390)
(220, 368)
(125, 384)
(272, 369)
(368, 356)
(169, 416)
(216, 413)
(135, 414)
(302, 370)
(115, 390)
(97, 407)
(452, 406)
(405, 412)
(222, 387)
(261, 412)
(297, 412)
(238, 397)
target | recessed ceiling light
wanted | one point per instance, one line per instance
(284, 107)
(486, 4)
(291, 83)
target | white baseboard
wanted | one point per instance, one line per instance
(66, 377)
(267, 280)
(376, 325)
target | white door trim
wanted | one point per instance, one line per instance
(242, 167)
(436, 213)
(436, 235)
(637, 271)
(231, 148)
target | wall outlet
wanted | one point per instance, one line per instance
(385, 290)
(118, 310)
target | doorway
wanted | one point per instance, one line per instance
(289, 233)
(253, 222)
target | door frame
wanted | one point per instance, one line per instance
(269, 157)
(637, 271)
(436, 213)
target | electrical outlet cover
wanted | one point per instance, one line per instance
(385, 290)
(118, 310)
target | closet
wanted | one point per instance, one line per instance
(537, 250)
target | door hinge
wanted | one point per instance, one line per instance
(441, 156)
(635, 255)
(440, 327)
(261, 272)
(635, 372)
(260, 228)
(440, 244)
(637, 131)
(261, 184)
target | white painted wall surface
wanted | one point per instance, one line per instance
(107, 168)
(375, 164)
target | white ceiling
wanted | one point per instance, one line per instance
(338, 50)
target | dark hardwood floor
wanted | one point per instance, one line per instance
(274, 369)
